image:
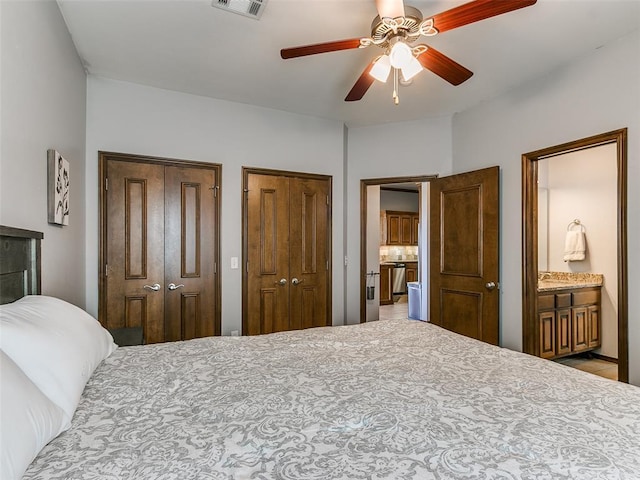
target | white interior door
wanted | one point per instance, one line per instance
(423, 250)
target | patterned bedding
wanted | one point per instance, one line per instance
(385, 400)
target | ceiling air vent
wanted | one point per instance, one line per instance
(248, 8)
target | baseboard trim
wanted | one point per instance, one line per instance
(605, 358)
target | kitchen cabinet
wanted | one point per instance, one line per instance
(383, 227)
(386, 284)
(411, 272)
(415, 228)
(394, 228)
(569, 321)
(401, 228)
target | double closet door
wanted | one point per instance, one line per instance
(159, 247)
(287, 240)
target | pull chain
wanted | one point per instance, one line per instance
(396, 99)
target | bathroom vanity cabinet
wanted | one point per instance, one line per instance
(569, 320)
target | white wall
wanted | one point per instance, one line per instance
(543, 225)
(583, 186)
(592, 95)
(400, 201)
(373, 250)
(124, 117)
(43, 106)
(373, 152)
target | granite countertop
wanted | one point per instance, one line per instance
(550, 281)
(394, 262)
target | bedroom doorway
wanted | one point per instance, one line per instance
(159, 248)
(394, 212)
(532, 198)
(286, 238)
(463, 255)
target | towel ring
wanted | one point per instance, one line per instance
(576, 223)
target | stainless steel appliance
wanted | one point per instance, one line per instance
(399, 279)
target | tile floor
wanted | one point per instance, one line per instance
(398, 310)
(597, 366)
(585, 363)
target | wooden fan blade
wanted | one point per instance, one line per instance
(475, 11)
(443, 66)
(390, 8)
(320, 48)
(362, 85)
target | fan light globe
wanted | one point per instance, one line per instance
(400, 55)
(410, 70)
(380, 70)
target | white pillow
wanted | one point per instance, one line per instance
(28, 420)
(56, 344)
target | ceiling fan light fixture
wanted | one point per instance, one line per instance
(400, 55)
(411, 69)
(395, 29)
(380, 70)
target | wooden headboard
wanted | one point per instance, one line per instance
(19, 263)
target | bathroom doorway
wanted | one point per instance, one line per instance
(534, 168)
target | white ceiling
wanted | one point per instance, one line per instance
(189, 46)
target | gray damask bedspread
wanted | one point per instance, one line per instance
(385, 400)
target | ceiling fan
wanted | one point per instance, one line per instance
(396, 29)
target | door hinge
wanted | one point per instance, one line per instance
(106, 183)
(327, 199)
(106, 269)
(215, 268)
(215, 190)
(247, 267)
(327, 265)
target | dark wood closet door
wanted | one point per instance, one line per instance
(287, 235)
(268, 281)
(134, 277)
(308, 258)
(190, 297)
(160, 246)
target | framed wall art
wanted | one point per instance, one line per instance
(58, 188)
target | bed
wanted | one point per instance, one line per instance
(397, 399)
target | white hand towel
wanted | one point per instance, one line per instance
(574, 246)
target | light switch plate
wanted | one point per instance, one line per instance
(234, 263)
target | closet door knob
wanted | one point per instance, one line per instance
(295, 281)
(173, 286)
(155, 287)
(490, 285)
(283, 281)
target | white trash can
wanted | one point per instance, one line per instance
(415, 300)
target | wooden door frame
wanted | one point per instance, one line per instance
(530, 326)
(103, 158)
(246, 171)
(364, 183)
